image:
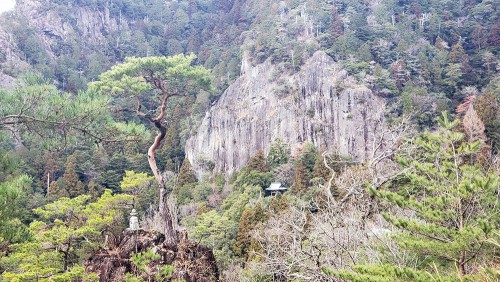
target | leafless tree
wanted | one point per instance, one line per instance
(297, 243)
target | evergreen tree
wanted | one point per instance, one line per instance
(488, 109)
(172, 152)
(93, 190)
(453, 77)
(457, 54)
(456, 211)
(249, 220)
(71, 181)
(243, 238)
(301, 180)
(149, 78)
(320, 170)
(114, 171)
(12, 214)
(259, 214)
(278, 154)
(57, 190)
(95, 167)
(308, 158)
(50, 168)
(257, 163)
(186, 174)
(278, 204)
(71, 228)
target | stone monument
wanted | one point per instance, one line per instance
(134, 221)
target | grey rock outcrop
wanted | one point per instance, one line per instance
(90, 25)
(54, 28)
(321, 104)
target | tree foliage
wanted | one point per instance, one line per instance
(35, 108)
(454, 205)
(155, 80)
(70, 230)
(12, 214)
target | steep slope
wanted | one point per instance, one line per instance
(72, 42)
(321, 104)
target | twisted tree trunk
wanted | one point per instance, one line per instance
(170, 233)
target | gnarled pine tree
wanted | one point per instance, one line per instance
(153, 81)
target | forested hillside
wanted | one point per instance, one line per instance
(379, 119)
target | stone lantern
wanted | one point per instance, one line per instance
(134, 221)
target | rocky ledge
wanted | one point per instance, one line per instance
(321, 104)
(191, 262)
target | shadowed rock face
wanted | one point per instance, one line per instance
(319, 104)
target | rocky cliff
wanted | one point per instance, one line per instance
(56, 25)
(321, 104)
(45, 35)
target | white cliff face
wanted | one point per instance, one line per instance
(10, 59)
(89, 24)
(319, 104)
(54, 28)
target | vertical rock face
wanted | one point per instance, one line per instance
(89, 24)
(55, 29)
(319, 104)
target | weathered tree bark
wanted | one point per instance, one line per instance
(170, 233)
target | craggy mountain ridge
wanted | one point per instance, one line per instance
(339, 101)
(321, 104)
(412, 54)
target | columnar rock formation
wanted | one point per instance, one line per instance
(321, 104)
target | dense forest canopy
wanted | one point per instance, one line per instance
(98, 98)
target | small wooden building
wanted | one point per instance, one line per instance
(275, 188)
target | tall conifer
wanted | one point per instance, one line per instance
(455, 206)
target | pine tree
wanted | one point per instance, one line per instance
(65, 232)
(456, 211)
(114, 171)
(308, 158)
(98, 161)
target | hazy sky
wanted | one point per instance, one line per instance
(6, 5)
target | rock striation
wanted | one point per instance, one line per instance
(320, 103)
(91, 25)
(56, 30)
